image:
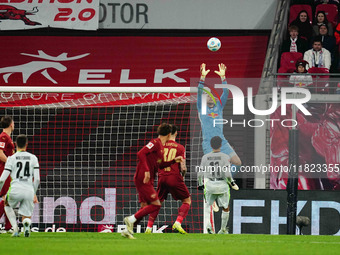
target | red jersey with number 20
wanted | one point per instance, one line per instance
(6, 144)
(172, 150)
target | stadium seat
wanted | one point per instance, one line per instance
(288, 60)
(295, 10)
(321, 83)
(287, 65)
(331, 11)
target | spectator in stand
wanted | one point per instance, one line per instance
(318, 56)
(298, 79)
(294, 43)
(321, 19)
(328, 42)
(302, 21)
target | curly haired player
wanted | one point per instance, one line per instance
(150, 158)
(171, 180)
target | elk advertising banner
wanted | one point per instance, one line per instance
(116, 61)
(29, 14)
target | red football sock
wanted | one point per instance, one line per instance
(2, 208)
(182, 212)
(138, 221)
(152, 218)
(8, 225)
(147, 210)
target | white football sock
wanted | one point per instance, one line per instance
(12, 217)
(27, 220)
(132, 218)
(224, 218)
(207, 211)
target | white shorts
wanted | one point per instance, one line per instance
(23, 197)
(222, 199)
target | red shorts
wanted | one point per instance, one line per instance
(6, 186)
(146, 192)
(174, 185)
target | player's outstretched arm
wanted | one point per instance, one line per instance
(203, 73)
(222, 73)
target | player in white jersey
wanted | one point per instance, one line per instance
(24, 170)
(215, 172)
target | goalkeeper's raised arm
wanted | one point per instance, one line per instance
(214, 112)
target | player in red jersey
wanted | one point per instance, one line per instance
(171, 180)
(6, 150)
(150, 158)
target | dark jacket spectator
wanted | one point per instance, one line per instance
(301, 45)
(328, 42)
(302, 21)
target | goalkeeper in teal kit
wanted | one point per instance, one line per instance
(214, 111)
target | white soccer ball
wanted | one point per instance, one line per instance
(214, 44)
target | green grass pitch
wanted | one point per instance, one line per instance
(113, 243)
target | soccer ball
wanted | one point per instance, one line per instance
(214, 44)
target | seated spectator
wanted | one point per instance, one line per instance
(318, 56)
(298, 79)
(294, 43)
(328, 42)
(303, 23)
(319, 20)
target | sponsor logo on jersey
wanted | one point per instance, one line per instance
(150, 145)
(213, 115)
(2, 145)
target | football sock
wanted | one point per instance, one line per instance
(146, 210)
(224, 218)
(27, 220)
(2, 208)
(12, 217)
(132, 218)
(152, 218)
(207, 212)
(182, 212)
(8, 224)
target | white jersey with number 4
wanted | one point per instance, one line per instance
(23, 166)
